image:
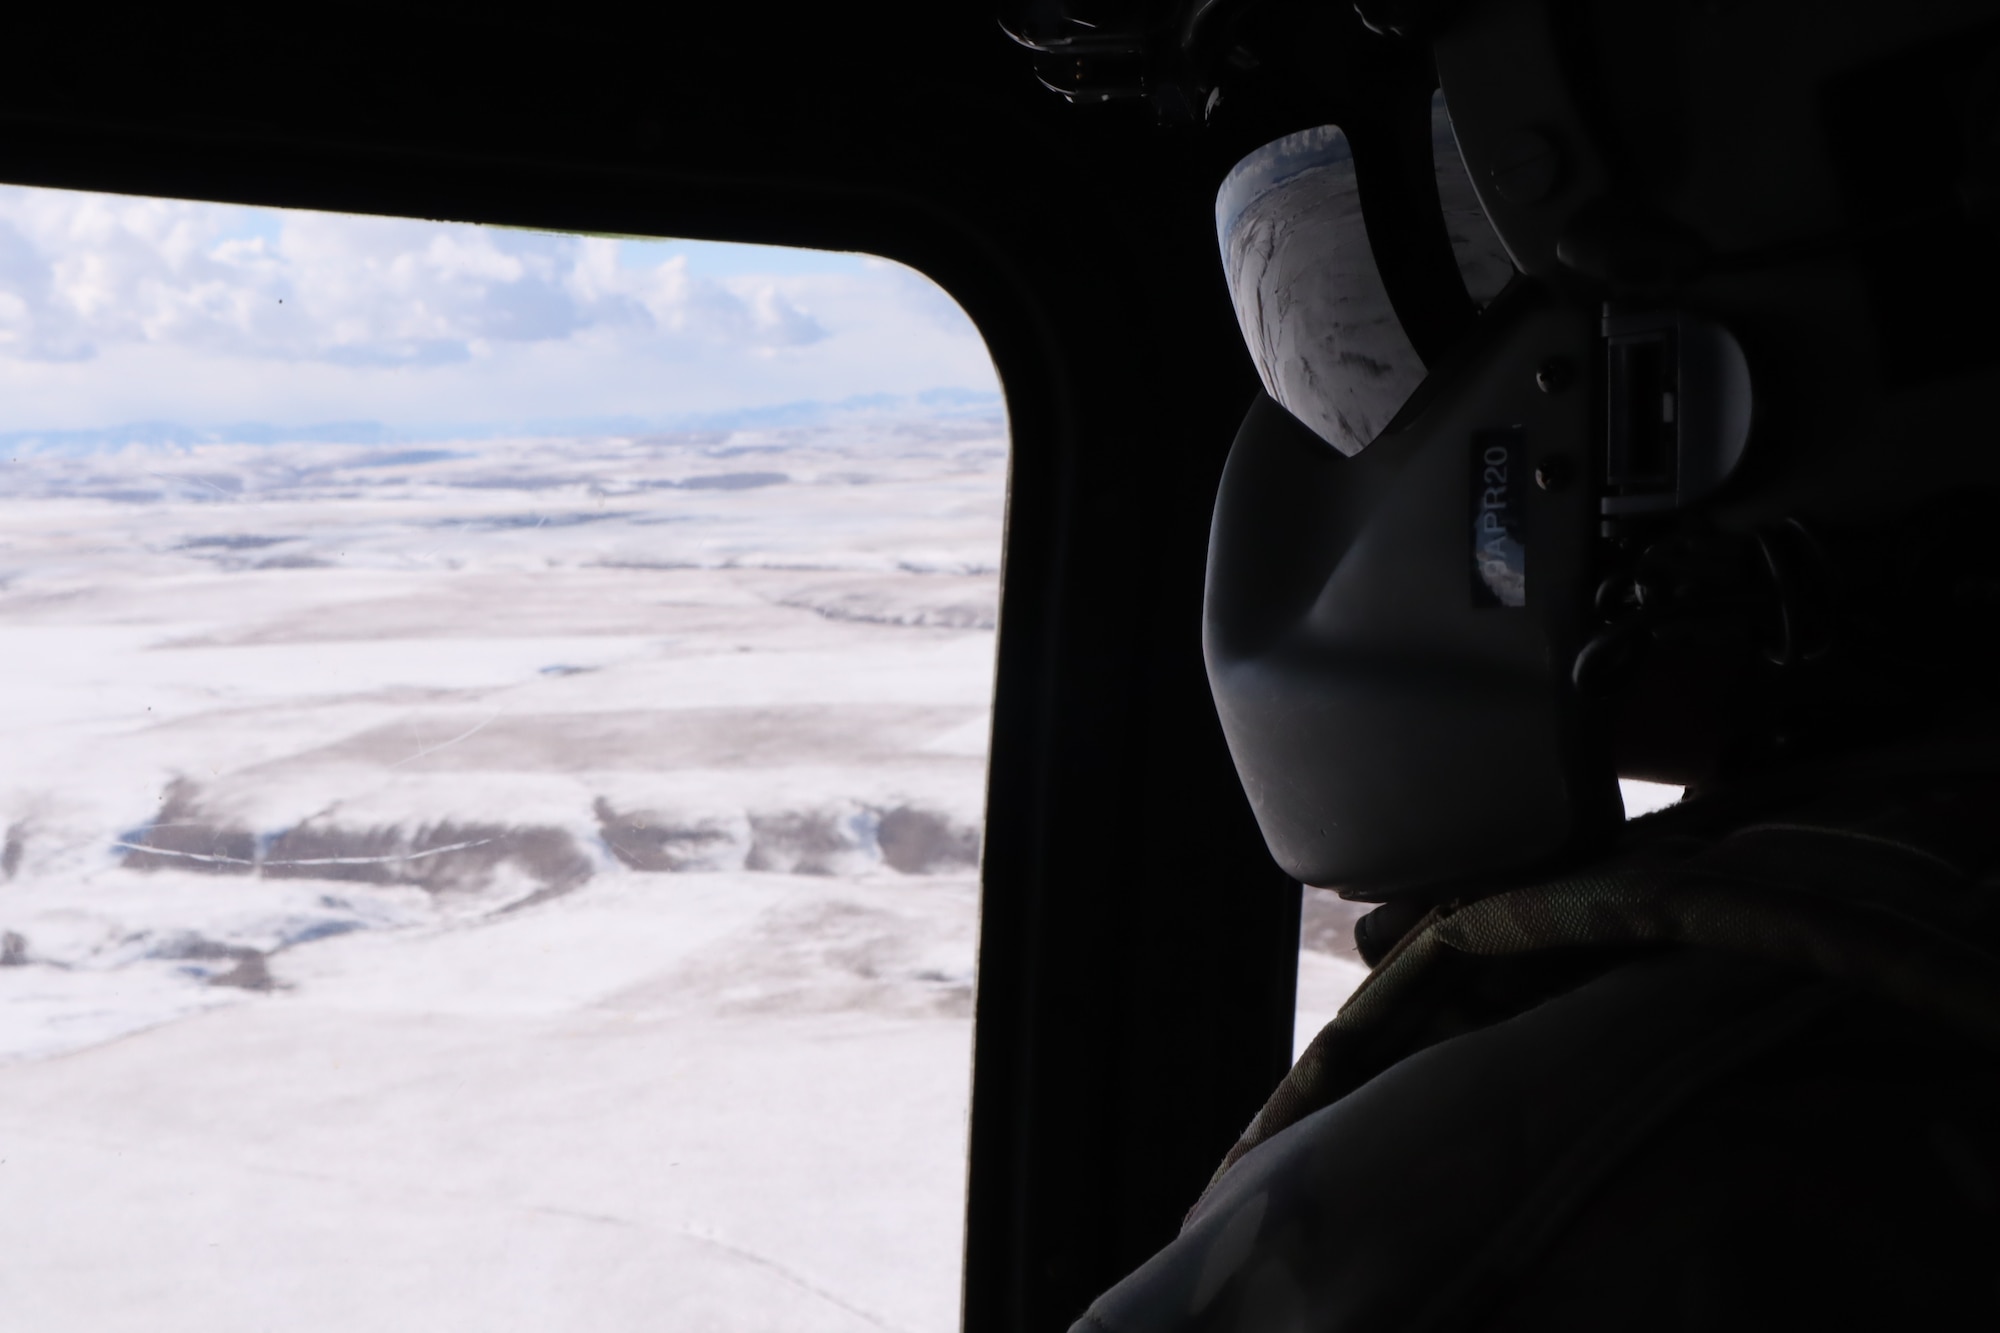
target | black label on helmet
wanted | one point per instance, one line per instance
(1499, 532)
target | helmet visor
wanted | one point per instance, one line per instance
(1309, 298)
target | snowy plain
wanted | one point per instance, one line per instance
(513, 884)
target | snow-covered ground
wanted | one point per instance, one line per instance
(514, 885)
(1330, 967)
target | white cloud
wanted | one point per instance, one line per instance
(115, 308)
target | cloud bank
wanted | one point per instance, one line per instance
(118, 308)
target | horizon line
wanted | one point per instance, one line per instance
(943, 400)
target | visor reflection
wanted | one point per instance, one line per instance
(1308, 296)
(1482, 260)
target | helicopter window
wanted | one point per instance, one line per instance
(1643, 798)
(496, 729)
(1330, 964)
(1483, 262)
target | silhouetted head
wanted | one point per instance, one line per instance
(1631, 374)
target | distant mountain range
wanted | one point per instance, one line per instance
(931, 403)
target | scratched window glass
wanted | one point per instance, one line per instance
(495, 730)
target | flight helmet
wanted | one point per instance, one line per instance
(1628, 370)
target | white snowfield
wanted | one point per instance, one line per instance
(515, 885)
(519, 885)
(729, 1101)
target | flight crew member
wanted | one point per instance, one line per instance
(1665, 444)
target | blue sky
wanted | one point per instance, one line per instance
(116, 309)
